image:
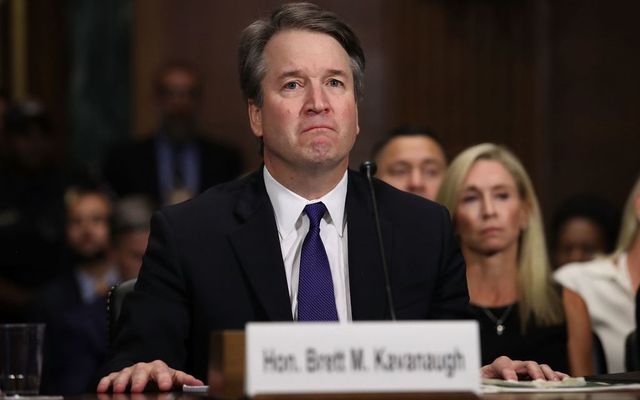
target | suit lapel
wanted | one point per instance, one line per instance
(257, 247)
(366, 278)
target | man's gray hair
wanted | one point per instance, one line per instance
(293, 16)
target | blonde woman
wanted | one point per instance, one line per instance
(497, 218)
(607, 287)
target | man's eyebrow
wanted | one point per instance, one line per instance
(400, 162)
(289, 74)
(298, 72)
(431, 160)
(336, 72)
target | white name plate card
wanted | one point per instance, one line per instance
(362, 357)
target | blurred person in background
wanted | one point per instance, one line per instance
(583, 226)
(176, 161)
(411, 159)
(31, 208)
(73, 307)
(131, 225)
(497, 219)
(606, 287)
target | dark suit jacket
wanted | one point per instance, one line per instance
(215, 263)
(75, 344)
(132, 168)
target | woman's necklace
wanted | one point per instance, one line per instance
(498, 321)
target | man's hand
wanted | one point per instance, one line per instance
(508, 369)
(138, 375)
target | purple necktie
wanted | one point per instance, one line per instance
(316, 301)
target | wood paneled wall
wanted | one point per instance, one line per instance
(556, 81)
(475, 71)
(594, 98)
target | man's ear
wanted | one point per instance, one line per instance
(357, 121)
(255, 117)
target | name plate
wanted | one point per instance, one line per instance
(362, 357)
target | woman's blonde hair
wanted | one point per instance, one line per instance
(537, 296)
(630, 222)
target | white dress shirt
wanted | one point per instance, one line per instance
(605, 286)
(293, 225)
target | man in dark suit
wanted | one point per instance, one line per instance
(295, 240)
(73, 305)
(177, 161)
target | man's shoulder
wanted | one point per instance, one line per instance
(66, 284)
(218, 200)
(56, 296)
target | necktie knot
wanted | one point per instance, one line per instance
(315, 212)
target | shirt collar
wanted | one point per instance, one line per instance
(288, 206)
(87, 283)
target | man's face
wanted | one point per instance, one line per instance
(309, 117)
(178, 99)
(88, 226)
(414, 164)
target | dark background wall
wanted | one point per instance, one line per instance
(556, 81)
(593, 105)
